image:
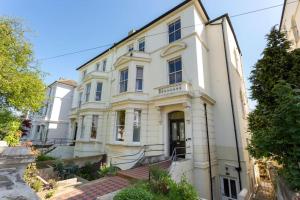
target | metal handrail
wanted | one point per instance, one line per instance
(142, 153)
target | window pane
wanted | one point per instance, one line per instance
(226, 187)
(139, 85)
(120, 129)
(98, 92)
(177, 25)
(136, 125)
(178, 77)
(139, 73)
(171, 67)
(233, 189)
(171, 37)
(171, 28)
(181, 131)
(87, 92)
(178, 64)
(177, 35)
(104, 65)
(172, 78)
(94, 126)
(142, 45)
(123, 80)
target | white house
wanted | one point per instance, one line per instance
(175, 86)
(290, 21)
(52, 122)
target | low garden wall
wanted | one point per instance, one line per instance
(80, 161)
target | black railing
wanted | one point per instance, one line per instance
(53, 141)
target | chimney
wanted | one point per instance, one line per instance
(131, 31)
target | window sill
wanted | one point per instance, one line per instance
(120, 143)
(88, 141)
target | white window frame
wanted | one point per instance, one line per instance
(139, 79)
(130, 47)
(87, 92)
(174, 31)
(142, 40)
(94, 127)
(120, 128)
(169, 73)
(97, 92)
(137, 124)
(125, 81)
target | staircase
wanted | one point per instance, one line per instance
(109, 185)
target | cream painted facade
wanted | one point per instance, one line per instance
(208, 97)
(52, 122)
(290, 21)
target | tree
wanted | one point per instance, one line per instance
(21, 85)
(274, 124)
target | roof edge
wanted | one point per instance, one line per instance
(231, 27)
(144, 27)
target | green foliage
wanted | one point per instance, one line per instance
(274, 124)
(49, 194)
(182, 191)
(43, 157)
(9, 127)
(105, 170)
(21, 85)
(134, 194)
(161, 187)
(89, 172)
(30, 177)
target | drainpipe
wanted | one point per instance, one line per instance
(239, 169)
(208, 149)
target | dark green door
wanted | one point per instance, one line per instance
(177, 137)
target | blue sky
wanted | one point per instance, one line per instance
(62, 26)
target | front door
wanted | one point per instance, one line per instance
(228, 188)
(177, 137)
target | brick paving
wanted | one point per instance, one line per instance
(103, 186)
(141, 173)
(94, 189)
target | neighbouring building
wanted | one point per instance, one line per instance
(52, 121)
(290, 21)
(175, 86)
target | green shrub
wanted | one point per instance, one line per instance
(30, 177)
(182, 191)
(43, 157)
(89, 171)
(157, 173)
(134, 194)
(49, 194)
(105, 170)
(37, 185)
